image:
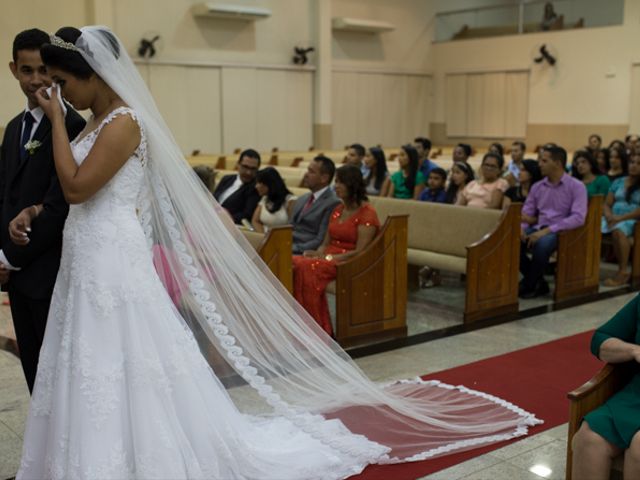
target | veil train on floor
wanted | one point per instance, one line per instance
(235, 306)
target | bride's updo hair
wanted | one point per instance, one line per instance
(69, 60)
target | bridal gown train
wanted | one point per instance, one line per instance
(122, 390)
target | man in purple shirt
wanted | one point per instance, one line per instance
(556, 203)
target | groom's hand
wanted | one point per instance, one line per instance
(20, 226)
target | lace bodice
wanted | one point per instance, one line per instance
(106, 225)
(121, 192)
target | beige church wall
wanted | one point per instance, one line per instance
(187, 38)
(587, 91)
(225, 84)
(406, 48)
(375, 108)
(381, 83)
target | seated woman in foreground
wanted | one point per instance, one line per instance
(614, 427)
(352, 226)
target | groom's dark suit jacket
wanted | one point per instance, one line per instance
(32, 182)
(242, 203)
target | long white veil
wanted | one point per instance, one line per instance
(242, 314)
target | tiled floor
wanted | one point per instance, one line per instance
(513, 462)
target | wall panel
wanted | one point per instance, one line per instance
(487, 104)
(378, 108)
(189, 100)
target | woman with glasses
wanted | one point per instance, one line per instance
(488, 191)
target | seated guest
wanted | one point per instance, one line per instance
(594, 145)
(602, 159)
(621, 211)
(355, 156)
(376, 162)
(276, 201)
(461, 153)
(515, 165)
(488, 191)
(310, 213)
(237, 193)
(584, 167)
(630, 142)
(496, 148)
(618, 144)
(207, 176)
(423, 147)
(541, 149)
(435, 191)
(618, 162)
(612, 428)
(549, 18)
(528, 176)
(461, 175)
(352, 227)
(407, 182)
(556, 203)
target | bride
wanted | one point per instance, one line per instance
(122, 389)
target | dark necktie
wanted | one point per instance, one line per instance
(307, 205)
(26, 134)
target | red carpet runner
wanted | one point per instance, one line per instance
(536, 379)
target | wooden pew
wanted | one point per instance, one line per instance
(275, 250)
(609, 380)
(578, 264)
(371, 288)
(483, 244)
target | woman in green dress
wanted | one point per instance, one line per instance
(585, 168)
(613, 428)
(408, 182)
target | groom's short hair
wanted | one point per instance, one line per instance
(31, 39)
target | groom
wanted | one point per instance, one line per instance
(30, 196)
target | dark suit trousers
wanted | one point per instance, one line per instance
(29, 320)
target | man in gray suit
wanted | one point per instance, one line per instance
(311, 212)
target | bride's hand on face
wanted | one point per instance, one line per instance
(50, 105)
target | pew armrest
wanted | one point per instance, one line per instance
(275, 250)
(371, 288)
(578, 266)
(492, 269)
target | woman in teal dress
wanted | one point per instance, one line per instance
(613, 428)
(408, 182)
(621, 211)
(585, 168)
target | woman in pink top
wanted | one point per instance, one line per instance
(488, 191)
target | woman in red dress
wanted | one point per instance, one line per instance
(352, 226)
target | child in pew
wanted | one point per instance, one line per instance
(435, 191)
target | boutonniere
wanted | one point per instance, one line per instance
(31, 146)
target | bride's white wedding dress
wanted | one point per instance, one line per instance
(122, 390)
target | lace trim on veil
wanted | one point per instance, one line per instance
(307, 422)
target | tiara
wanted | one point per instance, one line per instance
(58, 42)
